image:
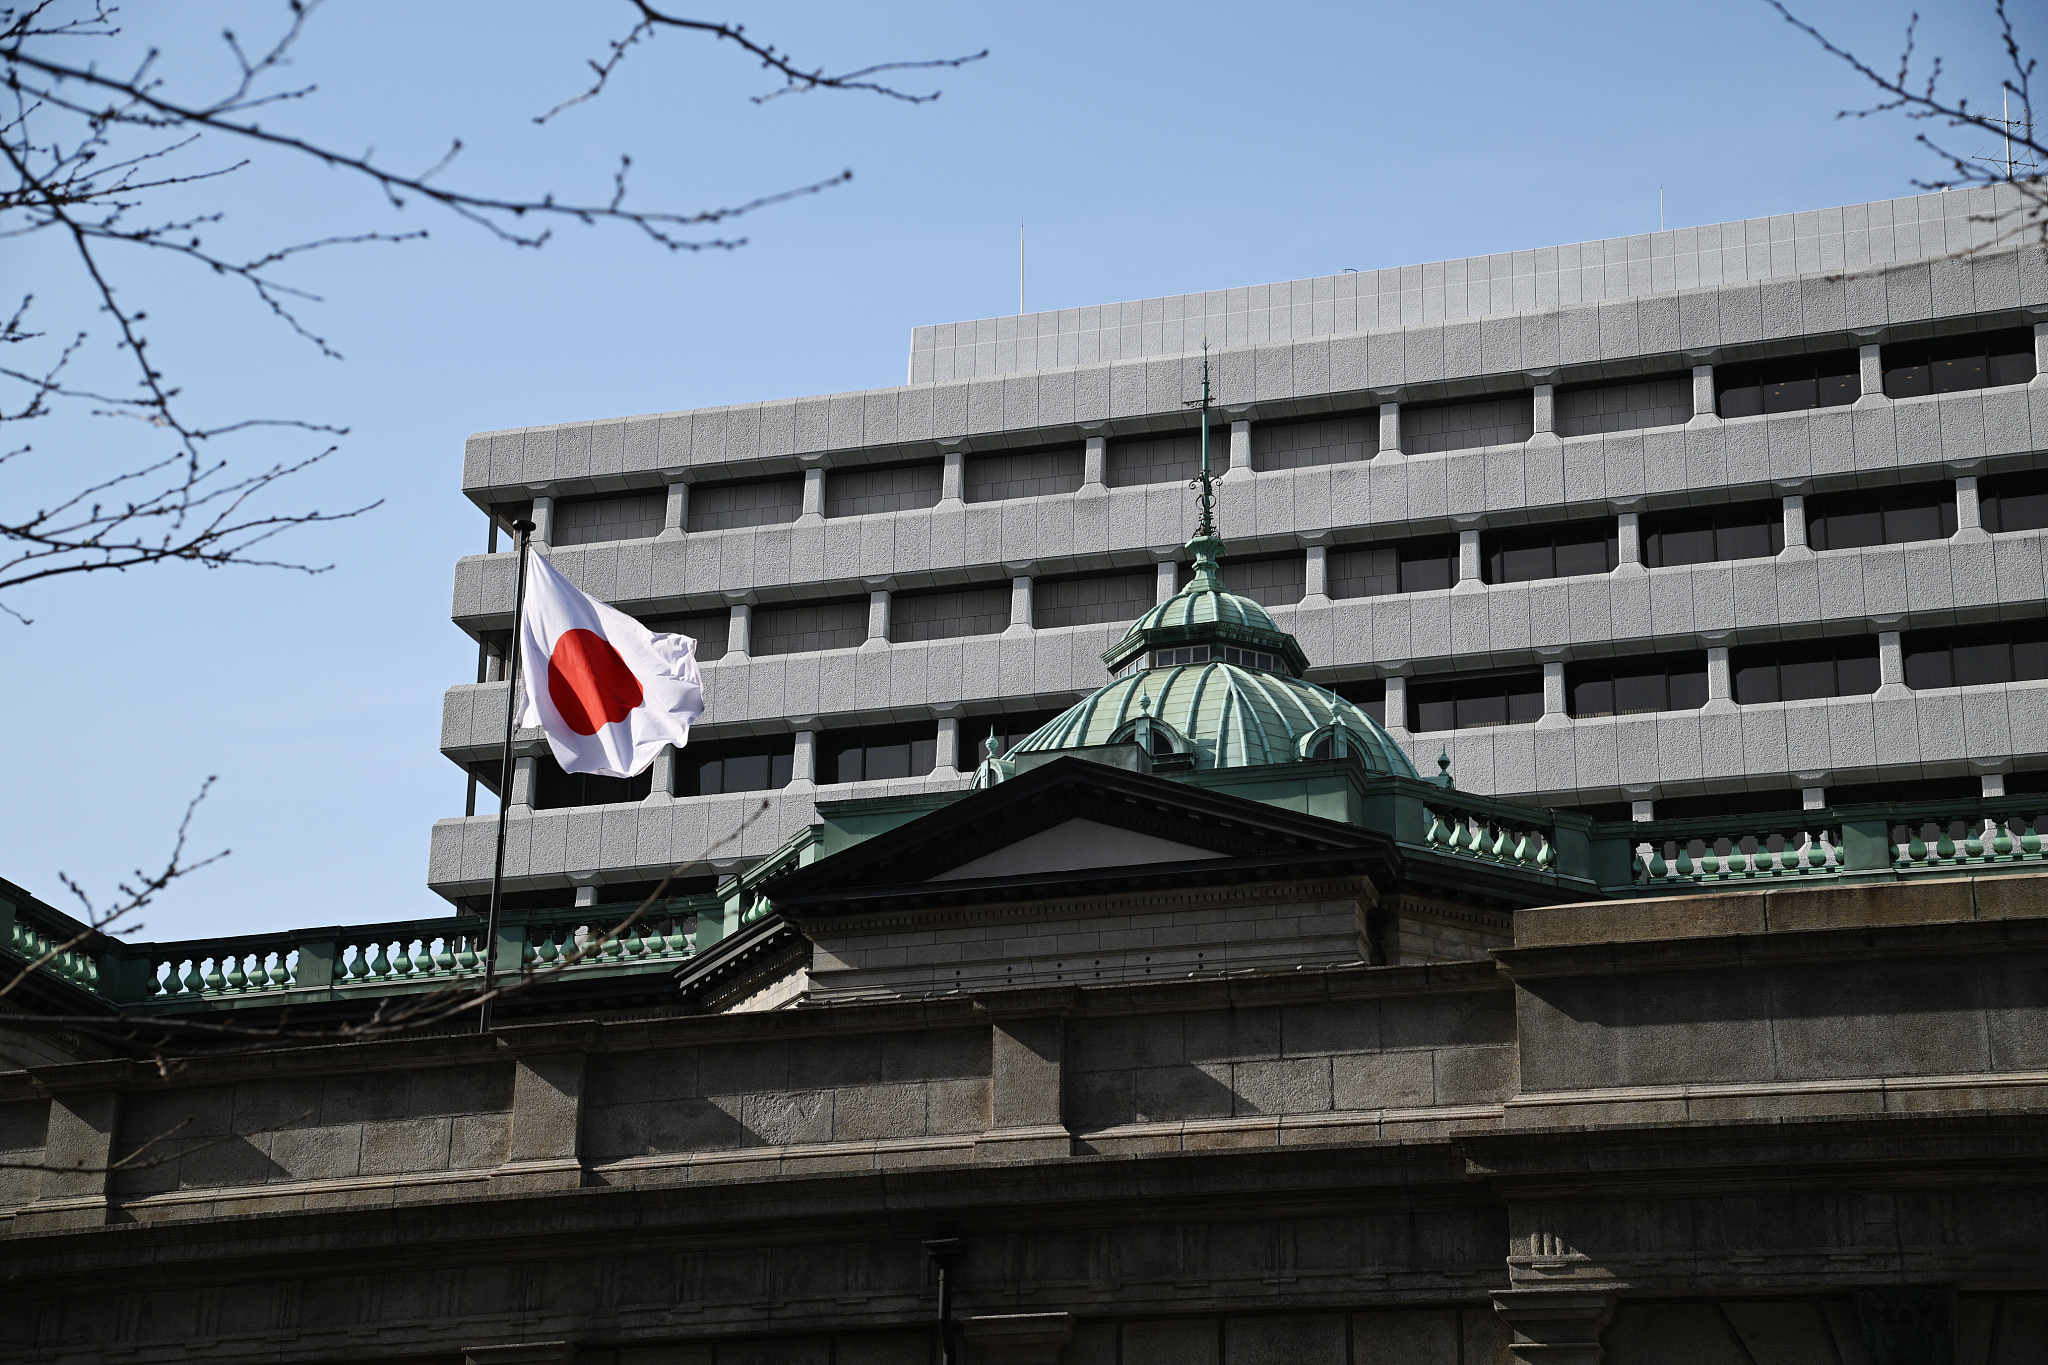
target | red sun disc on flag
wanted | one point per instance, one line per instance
(589, 683)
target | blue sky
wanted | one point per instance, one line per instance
(1151, 149)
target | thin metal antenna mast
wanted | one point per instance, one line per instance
(1020, 270)
(1660, 207)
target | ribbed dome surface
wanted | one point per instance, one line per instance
(1231, 717)
(1205, 612)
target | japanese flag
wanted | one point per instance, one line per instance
(608, 691)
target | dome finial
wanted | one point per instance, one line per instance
(1205, 482)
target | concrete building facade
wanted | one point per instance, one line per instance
(1726, 519)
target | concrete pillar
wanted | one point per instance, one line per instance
(1240, 451)
(1025, 1118)
(676, 516)
(586, 895)
(1969, 514)
(1703, 410)
(1813, 798)
(1869, 376)
(1555, 1326)
(1167, 583)
(1544, 405)
(78, 1146)
(494, 664)
(1720, 681)
(522, 783)
(1993, 784)
(1396, 705)
(1316, 574)
(1390, 429)
(2041, 354)
(1628, 540)
(1020, 601)
(1555, 708)
(547, 1114)
(953, 480)
(1095, 463)
(1642, 812)
(878, 619)
(946, 755)
(1795, 525)
(739, 632)
(1471, 572)
(803, 763)
(664, 770)
(1891, 665)
(814, 494)
(543, 519)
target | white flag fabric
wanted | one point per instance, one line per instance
(608, 691)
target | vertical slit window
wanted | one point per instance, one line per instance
(1886, 516)
(1845, 667)
(1475, 703)
(1629, 687)
(1527, 553)
(1797, 383)
(1752, 530)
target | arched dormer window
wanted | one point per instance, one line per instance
(1338, 740)
(1155, 737)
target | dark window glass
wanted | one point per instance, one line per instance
(1627, 687)
(1369, 696)
(557, 790)
(1971, 656)
(1729, 804)
(1010, 731)
(1845, 667)
(872, 755)
(1429, 565)
(1475, 703)
(1954, 364)
(1886, 793)
(1606, 812)
(1562, 551)
(1885, 516)
(741, 765)
(1749, 530)
(2014, 502)
(1786, 384)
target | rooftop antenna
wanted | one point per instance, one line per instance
(1020, 270)
(1207, 479)
(1660, 206)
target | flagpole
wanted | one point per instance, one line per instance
(483, 1020)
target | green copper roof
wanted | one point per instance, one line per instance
(1206, 611)
(1226, 716)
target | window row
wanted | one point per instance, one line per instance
(1823, 379)
(1769, 801)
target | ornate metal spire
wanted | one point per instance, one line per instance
(1205, 525)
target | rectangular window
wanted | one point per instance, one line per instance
(805, 629)
(949, 615)
(1979, 360)
(1729, 805)
(1475, 703)
(1972, 656)
(1889, 793)
(557, 790)
(1201, 654)
(1843, 667)
(1505, 419)
(1426, 565)
(2014, 502)
(589, 521)
(1023, 474)
(1747, 530)
(1566, 550)
(1794, 383)
(873, 755)
(861, 490)
(1637, 404)
(1883, 516)
(740, 765)
(1162, 459)
(1316, 441)
(1369, 696)
(1092, 599)
(1629, 687)
(748, 502)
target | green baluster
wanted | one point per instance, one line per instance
(195, 984)
(1973, 844)
(528, 954)
(2030, 837)
(678, 940)
(2001, 841)
(214, 980)
(380, 965)
(1521, 853)
(1685, 864)
(158, 984)
(1659, 869)
(1546, 857)
(1944, 846)
(1916, 847)
(465, 959)
(444, 957)
(549, 953)
(401, 964)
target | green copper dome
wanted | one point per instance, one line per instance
(1221, 715)
(1209, 680)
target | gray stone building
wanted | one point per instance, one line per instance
(1497, 906)
(1727, 520)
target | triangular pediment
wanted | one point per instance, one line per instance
(1074, 846)
(1072, 827)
